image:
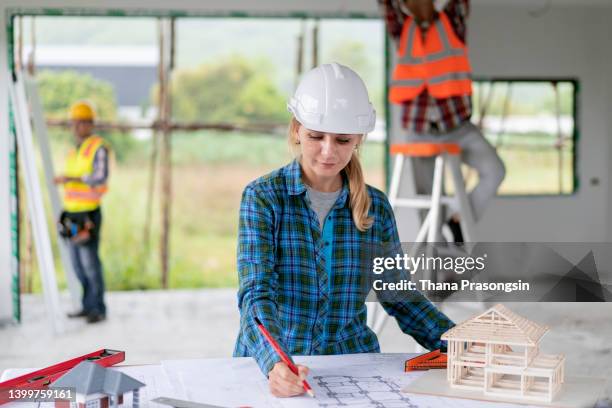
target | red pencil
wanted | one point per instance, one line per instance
(283, 356)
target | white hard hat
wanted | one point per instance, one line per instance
(332, 98)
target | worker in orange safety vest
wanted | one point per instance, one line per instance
(432, 82)
(85, 182)
(435, 59)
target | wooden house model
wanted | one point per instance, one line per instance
(498, 352)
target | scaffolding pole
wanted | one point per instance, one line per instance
(315, 44)
(299, 60)
(166, 44)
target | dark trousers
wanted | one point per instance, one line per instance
(88, 268)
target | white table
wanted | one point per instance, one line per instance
(362, 380)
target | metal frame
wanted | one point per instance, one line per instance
(575, 134)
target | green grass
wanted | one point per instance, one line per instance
(210, 170)
(532, 165)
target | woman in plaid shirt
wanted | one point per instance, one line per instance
(302, 234)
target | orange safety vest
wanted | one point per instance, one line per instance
(439, 64)
(79, 196)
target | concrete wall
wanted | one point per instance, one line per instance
(567, 41)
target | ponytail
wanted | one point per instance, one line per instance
(360, 200)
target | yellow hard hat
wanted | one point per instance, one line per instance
(82, 111)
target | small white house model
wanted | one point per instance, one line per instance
(498, 352)
(97, 387)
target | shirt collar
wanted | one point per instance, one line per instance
(295, 185)
(424, 25)
(79, 144)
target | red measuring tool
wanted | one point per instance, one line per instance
(43, 377)
(433, 359)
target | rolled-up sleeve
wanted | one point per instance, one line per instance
(257, 280)
(458, 11)
(99, 175)
(394, 18)
(416, 316)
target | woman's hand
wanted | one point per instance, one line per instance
(283, 383)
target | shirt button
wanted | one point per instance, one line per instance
(326, 243)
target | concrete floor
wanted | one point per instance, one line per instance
(157, 325)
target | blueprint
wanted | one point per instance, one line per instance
(352, 380)
(157, 385)
(372, 391)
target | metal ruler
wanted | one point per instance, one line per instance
(40, 379)
(177, 403)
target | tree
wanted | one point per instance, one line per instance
(60, 89)
(233, 90)
(354, 55)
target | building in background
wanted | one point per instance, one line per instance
(131, 70)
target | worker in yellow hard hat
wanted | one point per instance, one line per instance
(84, 181)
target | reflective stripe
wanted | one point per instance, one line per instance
(450, 76)
(407, 82)
(447, 49)
(442, 34)
(94, 195)
(442, 66)
(452, 52)
(79, 196)
(407, 58)
(90, 145)
(78, 186)
(434, 80)
(94, 202)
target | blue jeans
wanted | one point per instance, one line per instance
(88, 269)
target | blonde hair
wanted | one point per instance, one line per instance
(360, 200)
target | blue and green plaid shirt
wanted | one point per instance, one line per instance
(304, 283)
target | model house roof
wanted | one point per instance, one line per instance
(498, 325)
(90, 378)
